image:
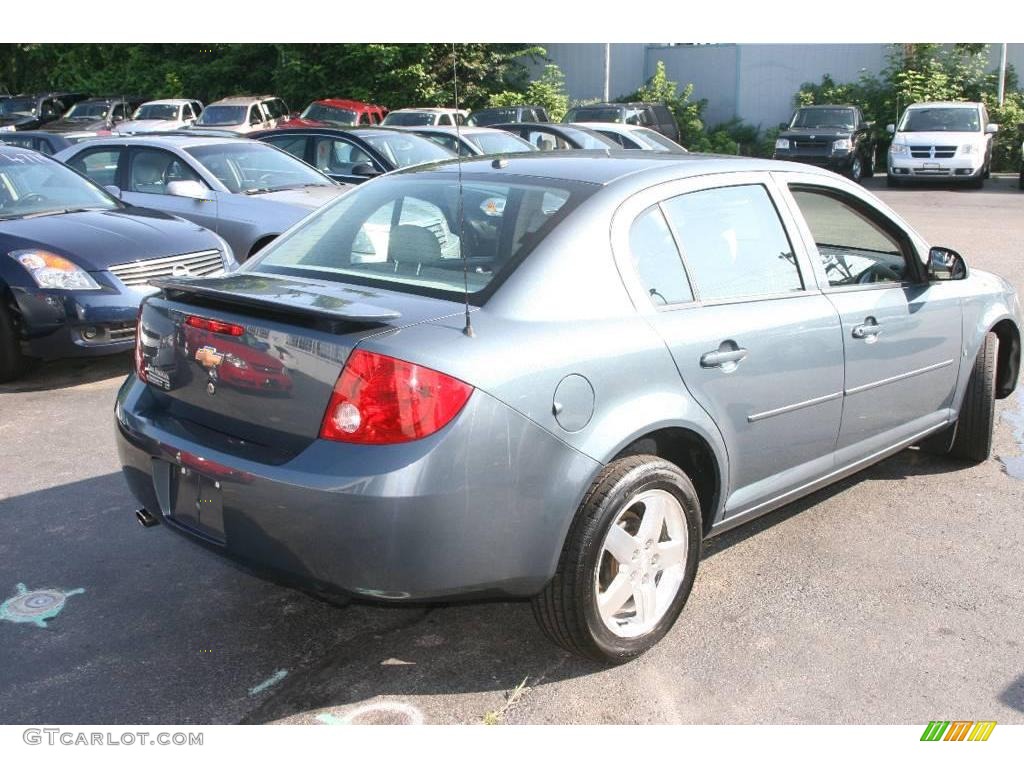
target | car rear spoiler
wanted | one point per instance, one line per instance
(294, 299)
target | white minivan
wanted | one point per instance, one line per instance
(945, 140)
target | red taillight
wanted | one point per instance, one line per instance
(140, 360)
(214, 326)
(379, 400)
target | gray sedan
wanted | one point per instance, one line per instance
(625, 353)
(246, 191)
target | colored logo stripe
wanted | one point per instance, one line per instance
(982, 730)
(958, 730)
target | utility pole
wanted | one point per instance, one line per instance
(1002, 75)
(608, 70)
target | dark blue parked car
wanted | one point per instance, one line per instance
(76, 262)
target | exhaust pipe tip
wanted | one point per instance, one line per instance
(146, 518)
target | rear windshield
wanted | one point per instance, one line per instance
(499, 142)
(156, 112)
(327, 114)
(223, 115)
(409, 118)
(403, 232)
(492, 116)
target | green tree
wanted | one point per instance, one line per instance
(547, 91)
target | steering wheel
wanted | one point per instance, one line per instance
(879, 273)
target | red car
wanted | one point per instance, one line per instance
(327, 112)
(241, 361)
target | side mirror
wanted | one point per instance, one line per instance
(891, 128)
(188, 188)
(946, 264)
(869, 123)
(114, 190)
(365, 169)
(992, 128)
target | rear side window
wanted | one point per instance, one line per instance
(734, 243)
(656, 259)
(404, 232)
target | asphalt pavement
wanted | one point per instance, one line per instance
(896, 596)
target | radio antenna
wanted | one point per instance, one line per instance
(468, 330)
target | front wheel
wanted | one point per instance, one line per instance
(856, 169)
(12, 362)
(972, 440)
(890, 180)
(628, 563)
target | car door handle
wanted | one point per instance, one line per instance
(722, 358)
(868, 330)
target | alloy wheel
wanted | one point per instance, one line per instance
(642, 563)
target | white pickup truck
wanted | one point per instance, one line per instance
(943, 140)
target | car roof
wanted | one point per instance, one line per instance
(347, 104)
(931, 104)
(234, 101)
(426, 109)
(175, 102)
(176, 140)
(620, 127)
(610, 166)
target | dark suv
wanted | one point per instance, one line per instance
(833, 136)
(520, 114)
(657, 117)
(29, 112)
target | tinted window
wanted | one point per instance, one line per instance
(444, 120)
(293, 145)
(339, 157)
(853, 248)
(100, 165)
(657, 260)
(409, 118)
(404, 231)
(734, 243)
(153, 169)
(222, 115)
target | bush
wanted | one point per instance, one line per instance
(547, 91)
(660, 90)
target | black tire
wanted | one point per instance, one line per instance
(973, 438)
(890, 180)
(977, 182)
(567, 608)
(869, 164)
(856, 172)
(12, 362)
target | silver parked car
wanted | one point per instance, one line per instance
(662, 347)
(469, 141)
(246, 191)
(634, 137)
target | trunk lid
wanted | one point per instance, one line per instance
(262, 393)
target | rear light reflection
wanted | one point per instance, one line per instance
(379, 400)
(214, 326)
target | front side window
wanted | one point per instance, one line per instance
(656, 259)
(337, 157)
(854, 249)
(153, 169)
(31, 184)
(403, 232)
(734, 243)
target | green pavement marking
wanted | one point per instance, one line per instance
(35, 606)
(274, 679)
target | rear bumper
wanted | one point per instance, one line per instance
(61, 324)
(478, 509)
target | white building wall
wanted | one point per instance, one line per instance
(755, 82)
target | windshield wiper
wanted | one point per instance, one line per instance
(56, 212)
